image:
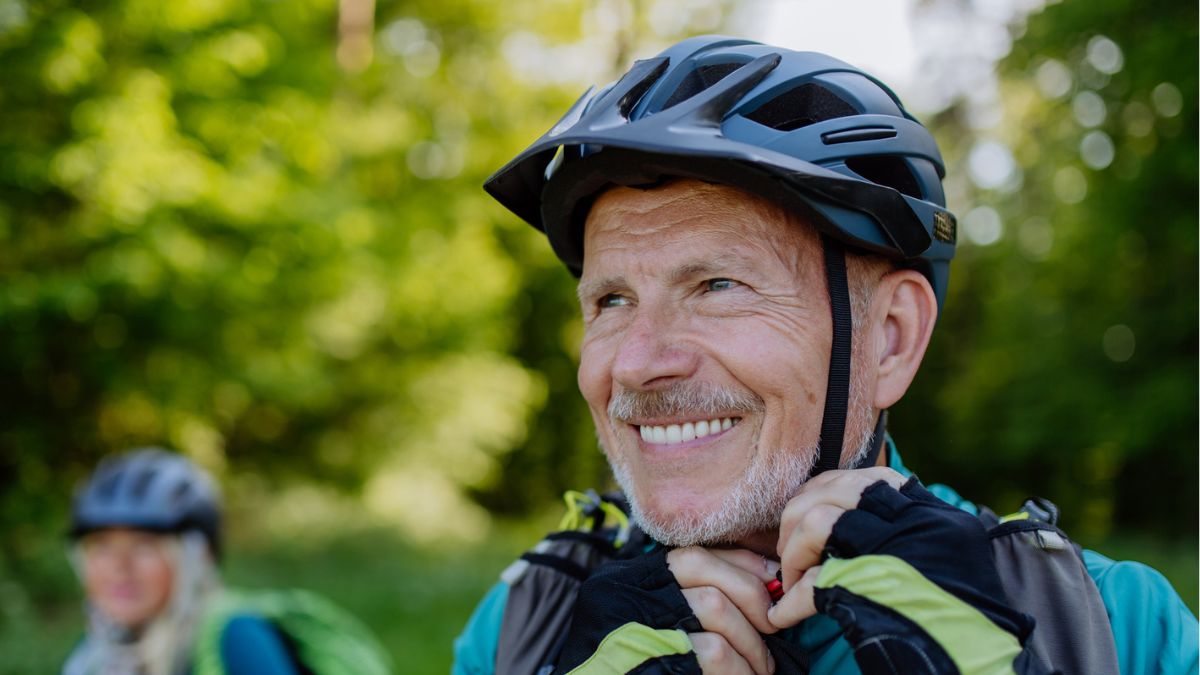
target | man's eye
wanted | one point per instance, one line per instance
(612, 300)
(721, 284)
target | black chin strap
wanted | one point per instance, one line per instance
(837, 393)
(872, 455)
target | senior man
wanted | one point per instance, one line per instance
(762, 248)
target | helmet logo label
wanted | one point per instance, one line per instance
(945, 228)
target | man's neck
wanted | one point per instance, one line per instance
(763, 543)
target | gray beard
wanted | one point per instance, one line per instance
(756, 501)
(754, 504)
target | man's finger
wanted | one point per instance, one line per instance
(717, 614)
(716, 656)
(838, 488)
(694, 566)
(809, 517)
(750, 561)
(801, 544)
(797, 604)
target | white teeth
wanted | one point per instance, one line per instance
(674, 433)
(688, 432)
(680, 433)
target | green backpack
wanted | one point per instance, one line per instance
(324, 638)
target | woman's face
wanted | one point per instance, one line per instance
(128, 574)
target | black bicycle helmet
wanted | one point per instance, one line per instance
(807, 131)
(148, 489)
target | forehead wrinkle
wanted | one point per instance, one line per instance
(683, 209)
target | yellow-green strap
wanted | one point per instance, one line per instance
(975, 644)
(1019, 515)
(206, 653)
(574, 519)
(630, 646)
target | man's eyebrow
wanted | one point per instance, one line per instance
(698, 268)
(596, 287)
(715, 266)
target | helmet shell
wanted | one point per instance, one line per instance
(812, 133)
(148, 489)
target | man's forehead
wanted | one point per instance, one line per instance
(684, 194)
(683, 206)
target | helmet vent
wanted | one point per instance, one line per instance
(799, 107)
(180, 491)
(698, 80)
(107, 488)
(142, 484)
(885, 170)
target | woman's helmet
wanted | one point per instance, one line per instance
(148, 489)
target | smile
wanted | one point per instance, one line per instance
(688, 431)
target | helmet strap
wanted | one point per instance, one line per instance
(872, 455)
(837, 393)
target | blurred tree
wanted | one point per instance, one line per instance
(1066, 364)
(254, 232)
(219, 236)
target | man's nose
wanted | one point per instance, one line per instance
(652, 351)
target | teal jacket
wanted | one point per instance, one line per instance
(1153, 630)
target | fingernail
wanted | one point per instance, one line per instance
(770, 662)
(772, 567)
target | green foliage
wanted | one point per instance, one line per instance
(1066, 362)
(254, 232)
(224, 230)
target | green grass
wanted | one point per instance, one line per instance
(416, 599)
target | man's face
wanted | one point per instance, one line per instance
(705, 355)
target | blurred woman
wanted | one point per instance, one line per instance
(145, 537)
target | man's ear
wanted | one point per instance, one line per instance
(903, 313)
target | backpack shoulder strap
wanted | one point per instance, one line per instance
(324, 638)
(544, 582)
(1044, 575)
(206, 652)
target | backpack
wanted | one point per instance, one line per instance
(1044, 576)
(1041, 569)
(544, 582)
(323, 638)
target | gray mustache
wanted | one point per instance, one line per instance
(690, 399)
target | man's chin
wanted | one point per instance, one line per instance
(679, 526)
(689, 510)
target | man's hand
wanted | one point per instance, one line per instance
(725, 589)
(804, 530)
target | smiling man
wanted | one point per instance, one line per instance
(704, 356)
(763, 247)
